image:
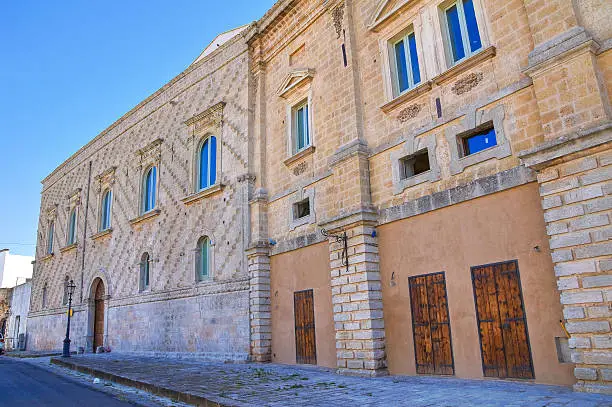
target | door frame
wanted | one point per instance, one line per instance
(91, 314)
(522, 297)
(450, 332)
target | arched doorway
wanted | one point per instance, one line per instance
(98, 325)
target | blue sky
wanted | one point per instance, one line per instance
(70, 68)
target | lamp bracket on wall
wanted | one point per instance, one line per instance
(341, 238)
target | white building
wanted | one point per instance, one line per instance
(18, 315)
(14, 269)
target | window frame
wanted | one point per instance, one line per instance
(144, 272)
(203, 242)
(71, 236)
(462, 139)
(394, 70)
(404, 163)
(144, 198)
(446, 37)
(300, 197)
(105, 219)
(198, 169)
(50, 237)
(302, 104)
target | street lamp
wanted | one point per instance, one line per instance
(70, 287)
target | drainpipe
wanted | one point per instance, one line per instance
(85, 230)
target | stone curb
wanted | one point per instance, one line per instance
(141, 385)
(31, 355)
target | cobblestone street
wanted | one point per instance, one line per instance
(280, 385)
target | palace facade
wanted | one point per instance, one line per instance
(383, 187)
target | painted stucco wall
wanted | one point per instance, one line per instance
(499, 227)
(303, 269)
(14, 269)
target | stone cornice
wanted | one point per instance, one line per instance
(101, 234)
(213, 113)
(573, 143)
(298, 156)
(145, 216)
(348, 150)
(379, 19)
(465, 65)
(564, 43)
(188, 200)
(479, 187)
(343, 220)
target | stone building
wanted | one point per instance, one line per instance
(421, 187)
(149, 220)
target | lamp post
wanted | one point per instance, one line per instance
(70, 287)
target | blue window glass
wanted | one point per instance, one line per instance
(479, 141)
(301, 128)
(149, 190)
(204, 155)
(72, 227)
(402, 70)
(414, 59)
(213, 160)
(208, 162)
(472, 25)
(50, 238)
(454, 32)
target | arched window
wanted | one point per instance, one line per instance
(150, 184)
(65, 298)
(44, 296)
(50, 237)
(105, 213)
(208, 163)
(72, 227)
(144, 271)
(203, 259)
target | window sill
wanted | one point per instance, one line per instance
(68, 248)
(101, 234)
(466, 64)
(299, 155)
(47, 257)
(406, 96)
(145, 216)
(206, 192)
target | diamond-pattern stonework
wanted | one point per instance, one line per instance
(176, 313)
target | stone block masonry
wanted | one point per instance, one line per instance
(578, 211)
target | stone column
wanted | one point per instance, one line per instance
(259, 302)
(357, 297)
(575, 176)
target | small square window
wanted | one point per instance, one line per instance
(301, 209)
(300, 127)
(479, 141)
(414, 164)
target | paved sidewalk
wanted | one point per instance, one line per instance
(279, 385)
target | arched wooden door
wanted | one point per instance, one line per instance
(98, 339)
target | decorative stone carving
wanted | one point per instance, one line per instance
(409, 113)
(300, 168)
(467, 83)
(337, 16)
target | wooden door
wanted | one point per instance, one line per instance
(431, 325)
(504, 340)
(303, 309)
(99, 316)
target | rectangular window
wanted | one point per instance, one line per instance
(414, 164)
(477, 142)
(463, 37)
(405, 62)
(301, 131)
(301, 209)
